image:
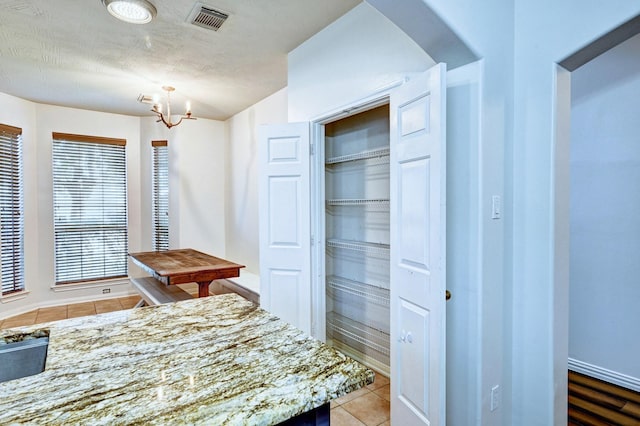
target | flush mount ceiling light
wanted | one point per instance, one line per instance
(132, 11)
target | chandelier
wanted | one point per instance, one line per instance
(158, 108)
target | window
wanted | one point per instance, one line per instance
(11, 208)
(89, 208)
(160, 195)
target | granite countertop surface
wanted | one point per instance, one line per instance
(219, 360)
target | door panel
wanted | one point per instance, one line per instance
(284, 211)
(285, 232)
(414, 352)
(284, 150)
(414, 117)
(418, 250)
(288, 285)
(414, 213)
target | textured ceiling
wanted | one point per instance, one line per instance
(74, 53)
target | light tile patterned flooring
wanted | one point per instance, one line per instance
(55, 313)
(368, 406)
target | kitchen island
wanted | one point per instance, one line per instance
(215, 361)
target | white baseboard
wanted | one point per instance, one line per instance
(248, 281)
(610, 376)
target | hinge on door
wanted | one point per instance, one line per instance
(312, 149)
(312, 240)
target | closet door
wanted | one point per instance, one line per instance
(418, 250)
(285, 231)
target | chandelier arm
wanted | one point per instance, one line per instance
(179, 121)
(168, 123)
(166, 119)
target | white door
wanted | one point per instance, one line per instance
(418, 250)
(285, 232)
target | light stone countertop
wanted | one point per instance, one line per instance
(219, 360)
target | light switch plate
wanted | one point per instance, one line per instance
(495, 397)
(496, 207)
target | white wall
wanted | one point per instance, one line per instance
(197, 155)
(524, 270)
(605, 212)
(20, 113)
(546, 32)
(149, 131)
(242, 209)
(350, 59)
(38, 122)
(524, 306)
(475, 173)
(520, 42)
(488, 28)
(465, 319)
(197, 179)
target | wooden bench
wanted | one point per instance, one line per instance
(154, 292)
(246, 285)
(229, 286)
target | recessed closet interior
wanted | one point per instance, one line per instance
(357, 237)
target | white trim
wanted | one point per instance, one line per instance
(378, 97)
(90, 284)
(318, 226)
(601, 373)
(14, 296)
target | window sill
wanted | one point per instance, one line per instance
(90, 284)
(14, 296)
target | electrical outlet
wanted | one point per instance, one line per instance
(495, 397)
(106, 290)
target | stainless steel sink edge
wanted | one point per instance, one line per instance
(23, 354)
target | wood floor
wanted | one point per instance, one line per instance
(593, 402)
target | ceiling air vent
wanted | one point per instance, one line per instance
(207, 17)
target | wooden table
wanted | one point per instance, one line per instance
(186, 266)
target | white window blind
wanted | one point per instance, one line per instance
(160, 195)
(90, 208)
(11, 208)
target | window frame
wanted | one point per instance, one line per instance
(91, 235)
(12, 245)
(160, 201)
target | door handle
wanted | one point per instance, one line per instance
(447, 295)
(406, 337)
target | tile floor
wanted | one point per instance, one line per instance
(368, 406)
(55, 313)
